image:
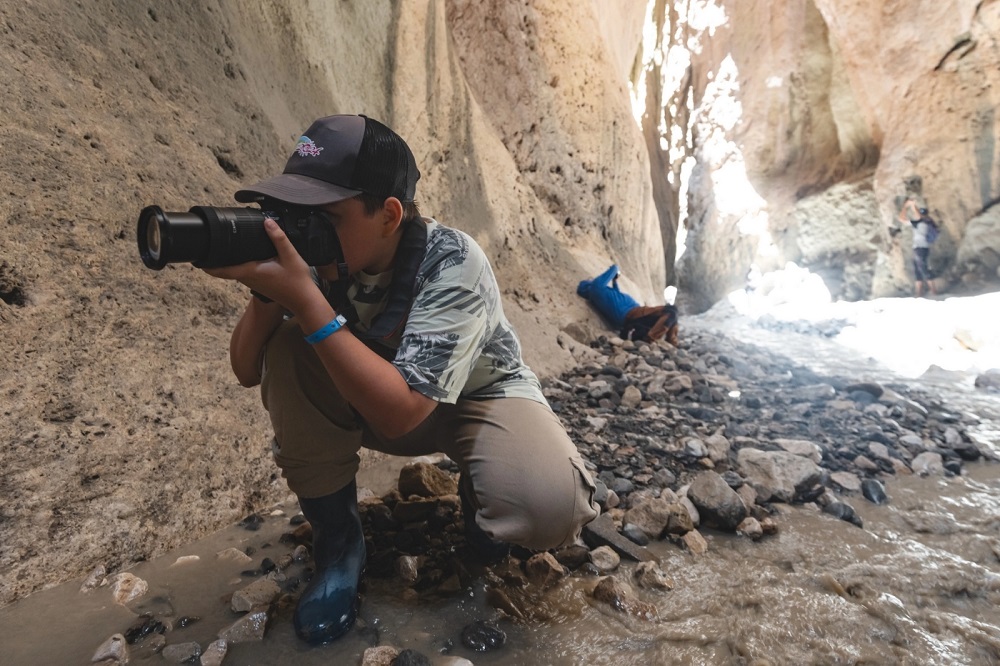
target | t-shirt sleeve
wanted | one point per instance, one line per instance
(445, 334)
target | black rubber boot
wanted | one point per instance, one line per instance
(485, 549)
(329, 605)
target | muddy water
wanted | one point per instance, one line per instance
(919, 585)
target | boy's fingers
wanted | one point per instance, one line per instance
(278, 237)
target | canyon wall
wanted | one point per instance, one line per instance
(806, 122)
(124, 432)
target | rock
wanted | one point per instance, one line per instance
(572, 557)
(655, 516)
(544, 569)
(382, 655)
(602, 532)
(407, 568)
(631, 397)
(846, 481)
(777, 475)
(717, 503)
(843, 511)
(143, 627)
(605, 559)
(928, 463)
(426, 480)
(649, 575)
(695, 542)
(261, 592)
(215, 653)
(115, 648)
(234, 555)
(126, 587)
(411, 657)
(751, 528)
(801, 447)
(180, 653)
(483, 636)
(874, 491)
(619, 596)
(250, 627)
(634, 534)
(989, 380)
(94, 579)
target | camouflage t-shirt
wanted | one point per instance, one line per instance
(457, 342)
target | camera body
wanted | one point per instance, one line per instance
(210, 237)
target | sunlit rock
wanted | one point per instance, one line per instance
(605, 559)
(544, 569)
(258, 593)
(114, 648)
(928, 463)
(777, 475)
(250, 627)
(126, 587)
(215, 653)
(381, 655)
(180, 653)
(620, 597)
(426, 480)
(750, 527)
(649, 575)
(234, 555)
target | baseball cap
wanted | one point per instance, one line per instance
(339, 157)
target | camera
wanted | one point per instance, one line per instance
(210, 237)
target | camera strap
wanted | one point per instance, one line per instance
(409, 256)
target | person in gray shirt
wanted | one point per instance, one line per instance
(400, 346)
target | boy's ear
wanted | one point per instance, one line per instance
(392, 216)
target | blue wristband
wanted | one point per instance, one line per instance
(327, 331)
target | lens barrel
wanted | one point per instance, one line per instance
(208, 237)
(205, 236)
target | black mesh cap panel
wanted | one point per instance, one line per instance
(385, 165)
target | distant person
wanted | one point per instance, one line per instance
(925, 232)
(646, 323)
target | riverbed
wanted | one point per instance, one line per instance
(919, 584)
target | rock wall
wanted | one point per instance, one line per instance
(791, 99)
(124, 432)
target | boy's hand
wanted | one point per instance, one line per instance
(285, 278)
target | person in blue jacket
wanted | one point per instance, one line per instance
(603, 293)
(624, 313)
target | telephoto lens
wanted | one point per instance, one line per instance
(208, 237)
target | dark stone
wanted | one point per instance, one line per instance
(252, 522)
(843, 511)
(601, 532)
(483, 637)
(187, 621)
(143, 627)
(410, 657)
(953, 466)
(635, 535)
(874, 491)
(297, 519)
(267, 565)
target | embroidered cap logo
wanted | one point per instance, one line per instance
(307, 148)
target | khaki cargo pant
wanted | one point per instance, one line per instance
(530, 485)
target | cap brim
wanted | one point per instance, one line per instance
(296, 189)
